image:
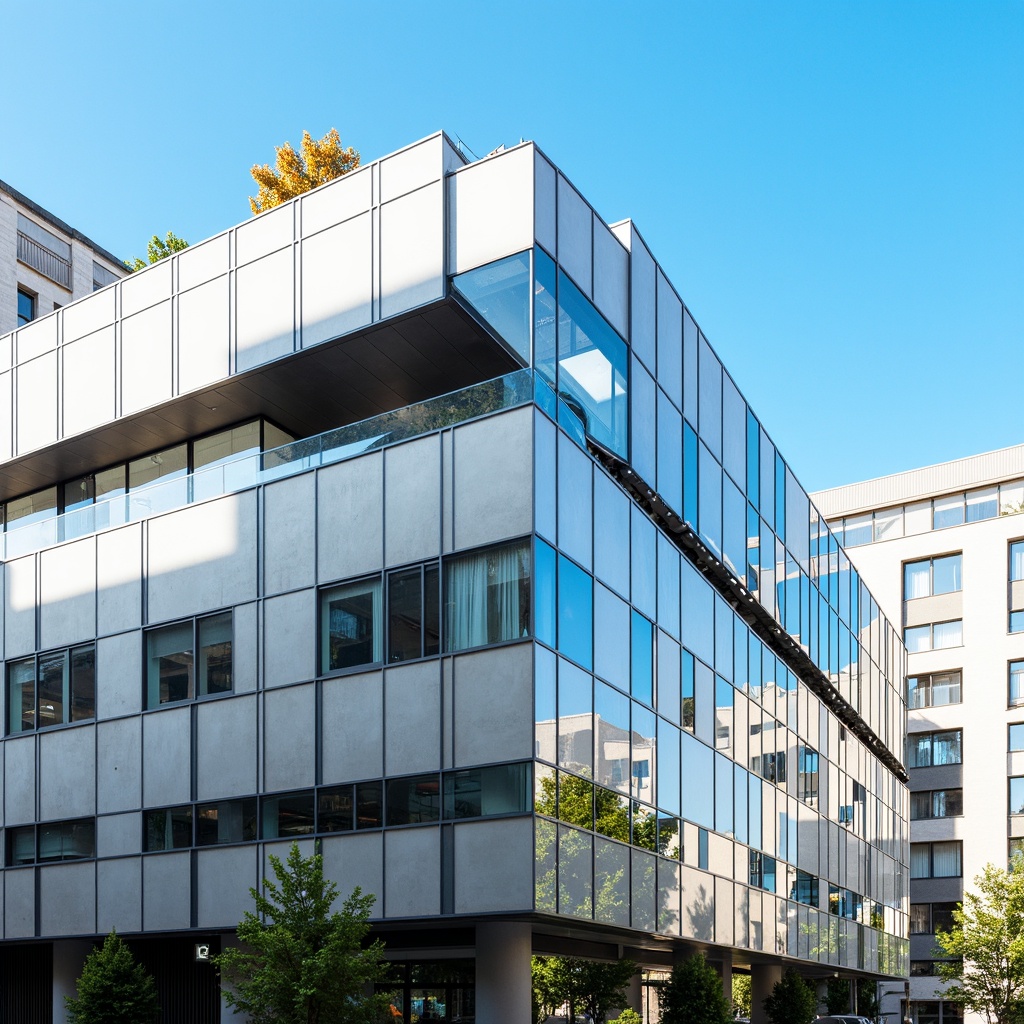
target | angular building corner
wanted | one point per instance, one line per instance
(417, 521)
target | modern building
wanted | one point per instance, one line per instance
(44, 263)
(943, 549)
(417, 520)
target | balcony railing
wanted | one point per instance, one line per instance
(514, 389)
(48, 263)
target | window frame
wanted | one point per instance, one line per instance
(33, 301)
(68, 695)
(916, 737)
(929, 689)
(930, 562)
(198, 680)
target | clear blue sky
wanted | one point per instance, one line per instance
(835, 188)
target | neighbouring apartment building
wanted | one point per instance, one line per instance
(943, 549)
(44, 263)
(417, 521)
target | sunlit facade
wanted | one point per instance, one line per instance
(417, 521)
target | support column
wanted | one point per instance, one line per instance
(726, 971)
(68, 957)
(503, 982)
(762, 980)
(635, 994)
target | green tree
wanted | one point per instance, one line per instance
(158, 249)
(985, 946)
(693, 994)
(792, 1001)
(316, 162)
(741, 1003)
(113, 988)
(301, 962)
(584, 986)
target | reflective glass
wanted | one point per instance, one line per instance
(575, 612)
(723, 638)
(668, 586)
(641, 658)
(947, 634)
(710, 523)
(21, 695)
(723, 795)
(644, 425)
(947, 511)
(169, 653)
(545, 704)
(83, 683)
(611, 724)
(1016, 682)
(704, 702)
(168, 829)
(226, 821)
(592, 368)
(487, 596)
(710, 409)
(670, 452)
(545, 314)
(698, 796)
(1017, 560)
(31, 508)
(690, 383)
(946, 575)
(982, 504)
(1016, 736)
(54, 684)
(611, 534)
(668, 677)
(643, 738)
(288, 815)
(479, 792)
(698, 612)
(545, 614)
(687, 691)
(667, 776)
(575, 719)
(351, 625)
(215, 635)
(611, 624)
(369, 805)
(335, 809)
(67, 840)
(690, 468)
(414, 800)
(500, 293)
(644, 561)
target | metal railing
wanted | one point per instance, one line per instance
(48, 263)
(518, 388)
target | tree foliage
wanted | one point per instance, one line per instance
(837, 997)
(114, 988)
(792, 1001)
(316, 162)
(301, 962)
(741, 1003)
(985, 946)
(593, 987)
(158, 249)
(693, 994)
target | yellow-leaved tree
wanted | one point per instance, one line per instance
(315, 163)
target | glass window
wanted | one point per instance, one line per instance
(335, 809)
(947, 511)
(20, 845)
(226, 821)
(933, 690)
(487, 597)
(500, 293)
(592, 369)
(290, 814)
(215, 654)
(479, 792)
(934, 637)
(1016, 794)
(1016, 737)
(158, 467)
(32, 508)
(414, 608)
(56, 688)
(888, 524)
(1017, 622)
(168, 829)
(982, 504)
(67, 840)
(575, 612)
(642, 658)
(369, 805)
(1016, 682)
(225, 445)
(934, 748)
(26, 307)
(1017, 560)
(414, 800)
(169, 660)
(942, 916)
(946, 860)
(351, 625)
(21, 695)
(920, 918)
(939, 803)
(932, 576)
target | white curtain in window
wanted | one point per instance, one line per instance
(947, 634)
(920, 860)
(466, 603)
(1017, 561)
(1016, 682)
(505, 571)
(918, 580)
(946, 860)
(946, 747)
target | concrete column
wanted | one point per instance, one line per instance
(726, 972)
(68, 957)
(635, 994)
(503, 983)
(762, 980)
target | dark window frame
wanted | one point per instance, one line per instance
(69, 718)
(198, 682)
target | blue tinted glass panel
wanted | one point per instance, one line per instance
(686, 690)
(753, 550)
(670, 452)
(740, 676)
(611, 534)
(739, 786)
(611, 624)
(723, 638)
(780, 497)
(575, 514)
(698, 804)
(575, 612)
(754, 809)
(613, 767)
(710, 522)
(690, 491)
(544, 701)
(544, 480)
(734, 431)
(668, 767)
(642, 430)
(710, 398)
(545, 314)
(704, 701)
(668, 586)
(644, 741)
(734, 528)
(544, 584)
(575, 720)
(592, 368)
(753, 455)
(668, 677)
(644, 562)
(500, 293)
(698, 613)
(689, 367)
(767, 477)
(642, 659)
(1017, 736)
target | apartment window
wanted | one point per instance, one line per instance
(937, 803)
(54, 688)
(414, 613)
(101, 277)
(51, 841)
(226, 821)
(351, 625)
(168, 829)
(1016, 686)
(936, 860)
(1017, 592)
(933, 690)
(1016, 788)
(1016, 736)
(932, 576)
(479, 792)
(26, 307)
(171, 667)
(411, 801)
(929, 918)
(807, 781)
(936, 636)
(948, 511)
(288, 815)
(487, 597)
(925, 749)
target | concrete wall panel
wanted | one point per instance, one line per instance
(19, 780)
(146, 358)
(204, 336)
(357, 860)
(350, 492)
(20, 607)
(166, 892)
(245, 652)
(119, 675)
(289, 635)
(412, 866)
(411, 250)
(67, 899)
(19, 903)
(167, 757)
(67, 759)
(203, 557)
(265, 310)
(222, 890)
(89, 382)
(67, 586)
(493, 488)
(412, 501)
(412, 717)
(118, 884)
(493, 686)
(289, 727)
(488, 850)
(118, 760)
(353, 728)
(226, 748)
(36, 384)
(289, 520)
(119, 579)
(575, 243)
